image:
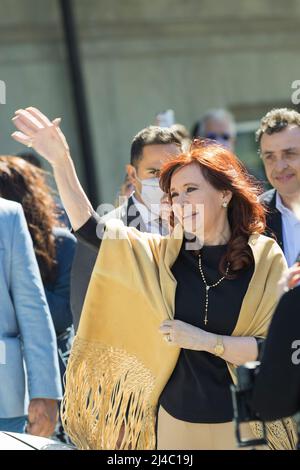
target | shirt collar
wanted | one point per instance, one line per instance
(285, 211)
(144, 211)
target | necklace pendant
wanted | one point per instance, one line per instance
(207, 288)
(205, 321)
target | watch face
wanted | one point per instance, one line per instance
(219, 350)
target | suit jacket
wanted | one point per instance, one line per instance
(26, 328)
(277, 385)
(58, 291)
(58, 294)
(274, 220)
(85, 256)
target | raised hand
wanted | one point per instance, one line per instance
(37, 131)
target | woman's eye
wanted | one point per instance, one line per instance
(174, 195)
(189, 190)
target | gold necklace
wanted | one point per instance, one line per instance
(207, 287)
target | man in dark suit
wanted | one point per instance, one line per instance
(279, 140)
(274, 220)
(150, 148)
(277, 385)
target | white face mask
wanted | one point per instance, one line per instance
(151, 194)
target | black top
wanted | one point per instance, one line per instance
(277, 386)
(198, 390)
(82, 268)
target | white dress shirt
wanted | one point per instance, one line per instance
(290, 231)
(151, 221)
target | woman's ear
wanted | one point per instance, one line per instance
(227, 196)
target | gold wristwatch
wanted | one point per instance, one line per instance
(219, 347)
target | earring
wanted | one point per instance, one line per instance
(225, 204)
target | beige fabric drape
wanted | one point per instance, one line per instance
(119, 363)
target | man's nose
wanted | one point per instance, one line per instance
(280, 165)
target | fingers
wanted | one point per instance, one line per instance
(21, 138)
(290, 280)
(39, 421)
(295, 269)
(294, 280)
(168, 323)
(56, 122)
(40, 117)
(294, 273)
(29, 120)
(167, 331)
(165, 327)
(21, 126)
(42, 427)
(293, 277)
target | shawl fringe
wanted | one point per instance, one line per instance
(281, 434)
(107, 399)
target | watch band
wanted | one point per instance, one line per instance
(219, 347)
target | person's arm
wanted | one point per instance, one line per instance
(74, 199)
(37, 131)
(91, 232)
(36, 331)
(237, 350)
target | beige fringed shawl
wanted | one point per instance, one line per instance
(119, 363)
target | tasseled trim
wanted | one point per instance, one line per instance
(106, 404)
(281, 434)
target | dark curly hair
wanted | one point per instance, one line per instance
(277, 120)
(23, 182)
(223, 170)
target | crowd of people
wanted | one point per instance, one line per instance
(168, 293)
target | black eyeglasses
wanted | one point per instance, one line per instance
(214, 136)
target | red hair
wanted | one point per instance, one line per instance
(224, 171)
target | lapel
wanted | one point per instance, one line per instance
(133, 216)
(274, 219)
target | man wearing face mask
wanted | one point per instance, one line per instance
(150, 148)
(279, 141)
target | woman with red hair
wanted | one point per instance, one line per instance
(166, 320)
